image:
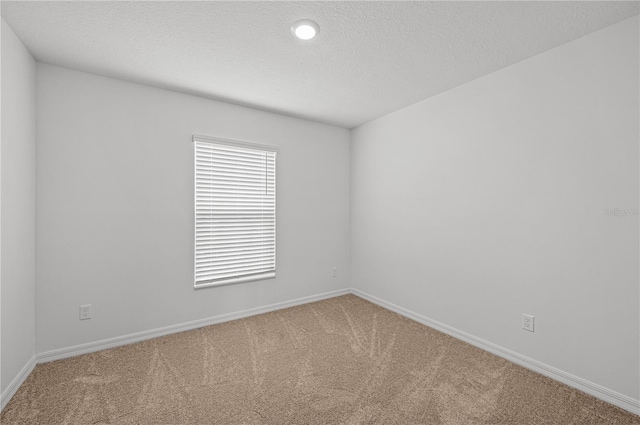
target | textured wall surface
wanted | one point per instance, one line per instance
(491, 200)
(18, 192)
(369, 59)
(115, 207)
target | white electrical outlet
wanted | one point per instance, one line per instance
(335, 272)
(85, 312)
(527, 322)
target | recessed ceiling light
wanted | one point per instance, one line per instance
(305, 29)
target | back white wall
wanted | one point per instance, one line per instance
(488, 201)
(115, 207)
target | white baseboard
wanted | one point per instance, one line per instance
(17, 382)
(90, 347)
(598, 391)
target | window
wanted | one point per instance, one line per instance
(235, 211)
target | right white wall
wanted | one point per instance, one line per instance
(491, 200)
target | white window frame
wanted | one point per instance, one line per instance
(198, 280)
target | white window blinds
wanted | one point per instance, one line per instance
(235, 211)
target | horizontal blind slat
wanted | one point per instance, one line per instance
(233, 151)
(232, 263)
(242, 162)
(218, 238)
(202, 258)
(226, 268)
(214, 277)
(221, 165)
(229, 184)
(204, 151)
(234, 172)
(207, 224)
(227, 236)
(236, 231)
(226, 196)
(232, 226)
(223, 179)
(223, 246)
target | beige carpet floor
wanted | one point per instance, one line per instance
(338, 361)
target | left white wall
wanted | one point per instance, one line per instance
(18, 199)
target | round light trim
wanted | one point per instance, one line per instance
(305, 29)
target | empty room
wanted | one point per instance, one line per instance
(332, 212)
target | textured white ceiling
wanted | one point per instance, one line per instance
(369, 59)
